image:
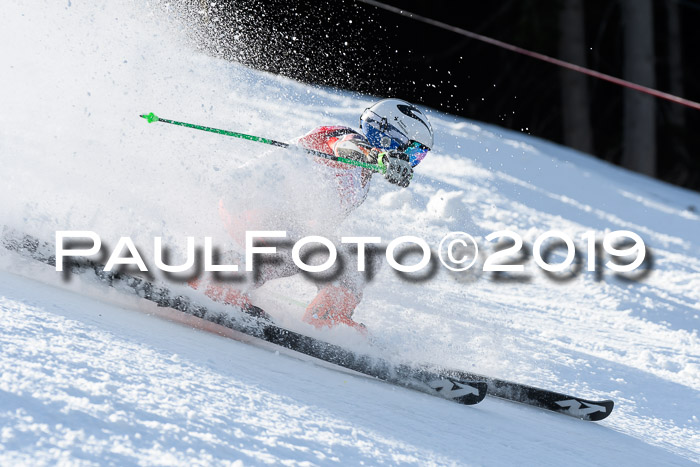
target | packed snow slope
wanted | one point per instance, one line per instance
(87, 379)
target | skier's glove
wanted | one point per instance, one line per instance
(398, 167)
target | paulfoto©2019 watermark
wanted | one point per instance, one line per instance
(622, 252)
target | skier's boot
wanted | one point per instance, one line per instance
(229, 296)
(332, 306)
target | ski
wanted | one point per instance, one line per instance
(435, 382)
(459, 386)
(545, 399)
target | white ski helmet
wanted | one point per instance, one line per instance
(398, 125)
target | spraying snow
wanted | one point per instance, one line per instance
(82, 379)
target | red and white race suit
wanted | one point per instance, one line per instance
(352, 182)
(337, 300)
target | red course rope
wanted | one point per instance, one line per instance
(538, 56)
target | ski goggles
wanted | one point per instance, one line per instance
(416, 152)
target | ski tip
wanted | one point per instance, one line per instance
(462, 391)
(599, 415)
(478, 393)
(483, 387)
(584, 409)
(151, 117)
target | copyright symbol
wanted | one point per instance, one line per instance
(460, 248)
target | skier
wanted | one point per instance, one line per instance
(393, 134)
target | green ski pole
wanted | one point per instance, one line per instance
(151, 117)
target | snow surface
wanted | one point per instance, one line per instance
(90, 380)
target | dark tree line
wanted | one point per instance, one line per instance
(356, 46)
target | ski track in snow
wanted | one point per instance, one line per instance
(82, 380)
(103, 384)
